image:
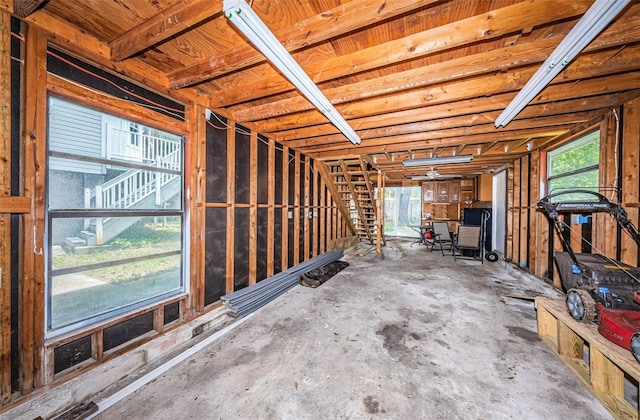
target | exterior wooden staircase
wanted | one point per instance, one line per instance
(354, 186)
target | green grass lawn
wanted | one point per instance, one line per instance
(86, 294)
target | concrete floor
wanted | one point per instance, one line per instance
(406, 335)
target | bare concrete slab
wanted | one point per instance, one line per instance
(406, 335)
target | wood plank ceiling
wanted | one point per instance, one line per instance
(414, 78)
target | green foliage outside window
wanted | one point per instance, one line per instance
(575, 166)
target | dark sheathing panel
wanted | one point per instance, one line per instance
(292, 177)
(261, 254)
(215, 218)
(216, 187)
(290, 242)
(316, 219)
(127, 330)
(550, 249)
(291, 212)
(171, 312)
(15, 191)
(278, 189)
(71, 354)
(302, 216)
(303, 211)
(215, 244)
(263, 171)
(277, 240)
(68, 67)
(263, 198)
(242, 166)
(241, 248)
(587, 235)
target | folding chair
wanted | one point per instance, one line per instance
(467, 239)
(441, 235)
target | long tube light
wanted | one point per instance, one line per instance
(599, 15)
(438, 160)
(244, 18)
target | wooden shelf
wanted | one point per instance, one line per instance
(597, 362)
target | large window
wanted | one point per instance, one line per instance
(115, 216)
(575, 166)
(402, 208)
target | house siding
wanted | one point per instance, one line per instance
(74, 129)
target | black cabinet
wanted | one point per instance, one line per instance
(474, 217)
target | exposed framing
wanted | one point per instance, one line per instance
(5, 210)
(311, 235)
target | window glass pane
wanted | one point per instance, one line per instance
(117, 187)
(115, 236)
(140, 263)
(390, 211)
(585, 180)
(578, 154)
(402, 209)
(575, 166)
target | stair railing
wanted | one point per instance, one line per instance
(133, 186)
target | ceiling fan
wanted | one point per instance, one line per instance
(433, 174)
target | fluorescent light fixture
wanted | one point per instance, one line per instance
(428, 178)
(599, 15)
(245, 19)
(439, 160)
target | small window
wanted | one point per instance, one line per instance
(115, 216)
(402, 208)
(573, 166)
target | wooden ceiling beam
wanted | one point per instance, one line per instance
(448, 71)
(68, 34)
(454, 136)
(468, 112)
(424, 142)
(590, 65)
(182, 15)
(442, 126)
(23, 8)
(483, 27)
(333, 23)
(90, 49)
(481, 89)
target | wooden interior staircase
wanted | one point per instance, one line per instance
(354, 186)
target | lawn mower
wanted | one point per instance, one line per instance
(598, 288)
